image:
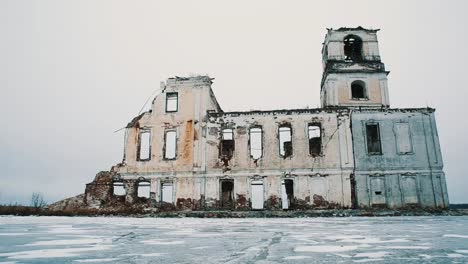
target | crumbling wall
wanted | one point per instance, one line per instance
(100, 190)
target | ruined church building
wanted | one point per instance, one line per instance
(353, 152)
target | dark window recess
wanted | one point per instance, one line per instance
(378, 193)
(353, 48)
(285, 139)
(373, 139)
(172, 102)
(357, 90)
(227, 194)
(227, 144)
(315, 140)
(289, 186)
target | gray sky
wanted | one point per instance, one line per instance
(73, 72)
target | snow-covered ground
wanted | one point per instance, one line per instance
(189, 240)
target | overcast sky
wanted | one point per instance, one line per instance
(73, 72)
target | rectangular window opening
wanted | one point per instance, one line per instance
(227, 194)
(285, 140)
(287, 193)
(167, 190)
(144, 145)
(172, 102)
(143, 190)
(315, 139)
(256, 144)
(257, 198)
(119, 189)
(373, 139)
(227, 144)
(170, 146)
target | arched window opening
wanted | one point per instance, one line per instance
(358, 90)
(353, 48)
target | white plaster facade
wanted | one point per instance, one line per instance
(344, 167)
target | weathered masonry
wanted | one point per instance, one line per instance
(354, 151)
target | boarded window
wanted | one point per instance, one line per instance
(358, 90)
(170, 145)
(257, 198)
(373, 138)
(172, 102)
(409, 188)
(144, 145)
(256, 144)
(227, 194)
(167, 191)
(403, 137)
(377, 190)
(287, 193)
(285, 140)
(315, 139)
(227, 144)
(353, 48)
(119, 188)
(143, 190)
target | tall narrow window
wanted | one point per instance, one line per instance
(170, 145)
(358, 90)
(167, 190)
(257, 198)
(373, 138)
(315, 139)
(353, 48)
(227, 194)
(403, 137)
(227, 144)
(172, 102)
(285, 140)
(144, 145)
(256, 144)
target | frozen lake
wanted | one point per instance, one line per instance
(190, 240)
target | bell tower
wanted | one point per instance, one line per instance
(353, 75)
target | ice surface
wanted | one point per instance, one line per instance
(188, 240)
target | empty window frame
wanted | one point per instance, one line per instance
(119, 189)
(257, 198)
(358, 90)
(144, 145)
(172, 102)
(256, 143)
(170, 144)
(374, 146)
(285, 141)
(227, 143)
(143, 190)
(403, 138)
(287, 193)
(227, 194)
(315, 139)
(353, 48)
(167, 192)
